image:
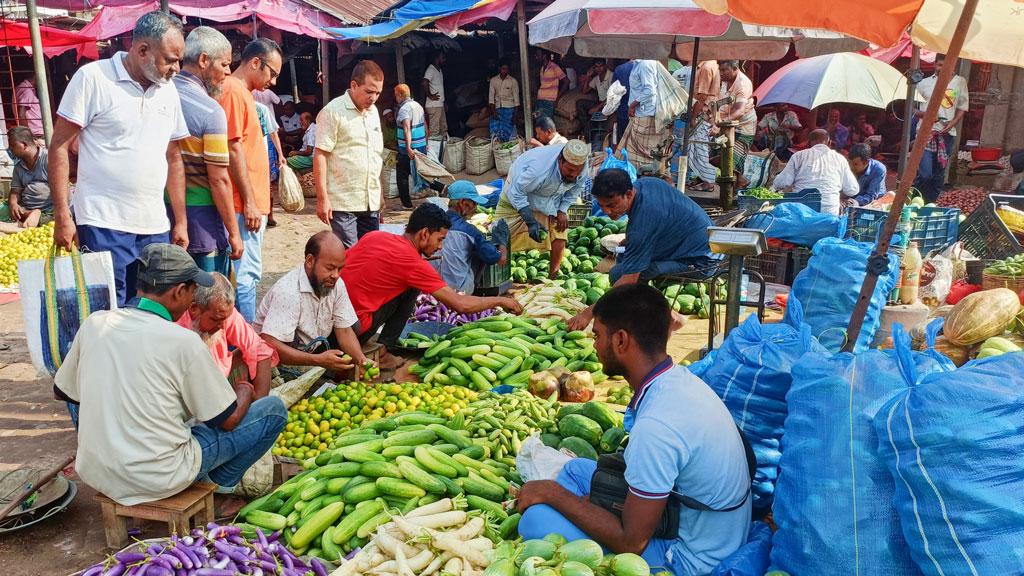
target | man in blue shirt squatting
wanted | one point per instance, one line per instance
(465, 249)
(682, 441)
(666, 234)
(870, 174)
(542, 183)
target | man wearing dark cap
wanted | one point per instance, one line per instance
(139, 380)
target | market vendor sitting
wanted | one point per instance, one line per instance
(385, 273)
(140, 380)
(667, 231)
(685, 462)
(237, 349)
(465, 249)
(546, 133)
(307, 317)
(541, 185)
(870, 174)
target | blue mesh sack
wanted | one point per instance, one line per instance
(752, 558)
(830, 285)
(798, 224)
(954, 444)
(751, 373)
(834, 497)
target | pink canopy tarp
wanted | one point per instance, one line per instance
(55, 41)
(118, 17)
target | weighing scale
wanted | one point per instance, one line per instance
(737, 244)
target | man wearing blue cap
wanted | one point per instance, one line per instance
(156, 413)
(465, 249)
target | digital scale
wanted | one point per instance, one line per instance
(737, 244)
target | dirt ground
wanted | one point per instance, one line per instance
(35, 430)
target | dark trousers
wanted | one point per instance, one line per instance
(392, 316)
(403, 169)
(125, 249)
(351, 226)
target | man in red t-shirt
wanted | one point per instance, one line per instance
(385, 272)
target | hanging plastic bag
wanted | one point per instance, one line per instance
(671, 101)
(798, 224)
(57, 294)
(829, 287)
(289, 190)
(834, 499)
(953, 446)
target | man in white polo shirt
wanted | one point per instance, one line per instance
(126, 116)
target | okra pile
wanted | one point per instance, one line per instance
(506, 350)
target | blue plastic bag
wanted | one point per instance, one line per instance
(610, 161)
(798, 224)
(834, 499)
(751, 372)
(751, 559)
(954, 445)
(830, 285)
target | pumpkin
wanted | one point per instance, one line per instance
(981, 315)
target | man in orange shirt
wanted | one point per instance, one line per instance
(248, 163)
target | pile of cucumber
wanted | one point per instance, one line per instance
(587, 430)
(381, 469)
(506, 350)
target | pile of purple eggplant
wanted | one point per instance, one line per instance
(216, 551)
(428, 309)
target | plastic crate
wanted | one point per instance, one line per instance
(577, 213)
(798, 260)
(809, 198)
(772, 265)
(985, 236)
(934, 228)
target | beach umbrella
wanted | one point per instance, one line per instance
(845, 78)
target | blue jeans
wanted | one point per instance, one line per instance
(73, 412)
(540, 520)
(125, 249)
(217, 261)
(228, 454)
(930, 175)
(249, 269)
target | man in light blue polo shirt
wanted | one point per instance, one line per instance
(682, 441)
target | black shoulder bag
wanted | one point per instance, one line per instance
(608, 489)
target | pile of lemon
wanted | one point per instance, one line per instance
(29, 244)
(314, 422)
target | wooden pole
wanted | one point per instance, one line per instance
(399, 61)
(524, 66)
(295, 80)
(164, 6)
(326, 63)
(39, 64)
(684, 159)
(908, 111)
(878, 261)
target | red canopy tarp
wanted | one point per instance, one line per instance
(55, 40)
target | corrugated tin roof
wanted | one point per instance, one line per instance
(358, 12)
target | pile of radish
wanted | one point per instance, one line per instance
(433, 539)
(215, 551)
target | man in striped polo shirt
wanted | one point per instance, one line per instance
(412, 135)
(213, 234)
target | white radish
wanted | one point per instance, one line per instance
(483, 544)
(471, 529)
(391, 545)
(453, 566)
(434, 566)
(412, 530)
(442, 520)
(443, 505)
(459, 548)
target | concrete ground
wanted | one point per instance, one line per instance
(35, 430)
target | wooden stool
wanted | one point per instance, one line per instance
(196, 501)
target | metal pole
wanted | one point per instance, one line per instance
(326, 63)
(295, 80)
(878, 261)
(727, 179)
(400, 61)
(164, 7)
(524, 65)
(39, 64)
(908, 110)
(732, 306)
(684, 158)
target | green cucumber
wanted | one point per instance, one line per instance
(399, 488)
(349, 525)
